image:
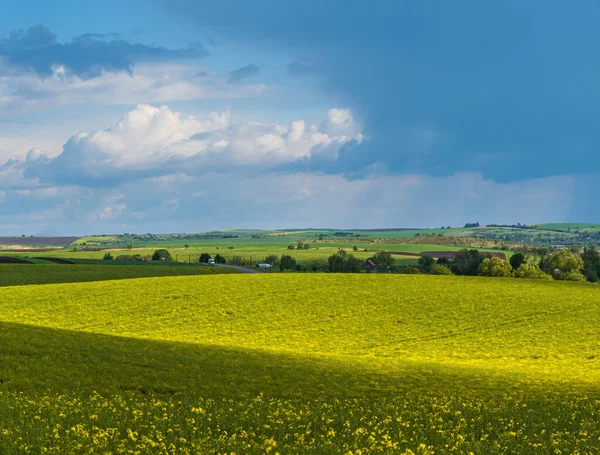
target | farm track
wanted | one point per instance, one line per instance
(238, 267)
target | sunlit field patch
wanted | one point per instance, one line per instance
(300, 363)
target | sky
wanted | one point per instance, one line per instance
(190, 115)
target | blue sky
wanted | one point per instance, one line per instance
(186, 115)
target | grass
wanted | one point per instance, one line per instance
(26, 274)
(300, 363)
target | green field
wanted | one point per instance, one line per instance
(25, 274)
(257, 249)
(301, 363)
(96, 239)
(569, 226)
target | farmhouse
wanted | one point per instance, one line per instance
(370, 266)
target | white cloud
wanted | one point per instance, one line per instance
(183, 202)
(151, 141)
(24, 92)
(158, 170)
(110, 208)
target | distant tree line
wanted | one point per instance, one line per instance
(534, 263)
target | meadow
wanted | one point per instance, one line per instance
(300, 363)
(26, 274)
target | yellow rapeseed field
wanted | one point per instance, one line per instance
(300, 363)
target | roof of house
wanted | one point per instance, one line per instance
(371, 263)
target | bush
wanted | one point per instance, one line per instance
(204, 257)
(162, 255)
(533, 272)
(220, 259)
(495, 267)
(574, 276)
(133, 257)
(441, 270)
(108, 257)
(410, 270)
(239, 260)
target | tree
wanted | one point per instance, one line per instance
(516, 260)
(108, 257)
(384, 260)
(186, 246)
(355, 248)
(220, 259)
(532, 272)
(290, 246)
(591, 264)
(342, 262)
(467, 262)
(564, 265)
(272, 259)
(353, 264)
(317, 264)
(287, 262)
(426, 263)
(494, 267)
(471, 225)
(162, 255)
(337, 261)
(444, 261)
(204, 257)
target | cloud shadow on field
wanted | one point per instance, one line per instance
(49, 360)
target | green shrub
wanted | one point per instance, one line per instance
(162, 255)
(495, 267)
(441, 270)
(533, 272)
